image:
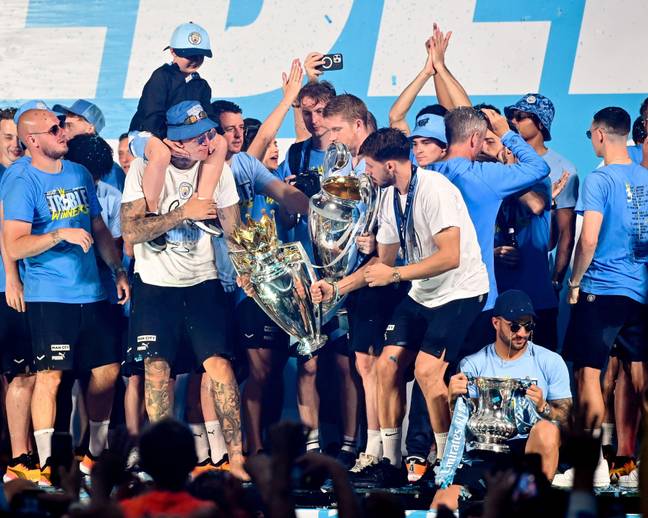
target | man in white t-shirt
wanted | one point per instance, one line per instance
(425, 218)
(179, 296)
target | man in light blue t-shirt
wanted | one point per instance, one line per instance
(532, 115)
(514, 355)
(52, 221)
(609, 283)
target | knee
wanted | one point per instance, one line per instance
(387, 368)
(260, 374)
(108, 373)
(49, 380)
(544, 436)
(308, 369)
(157, 151)
(23, 382)
(430, 378)
(156, 370)
(364, 365)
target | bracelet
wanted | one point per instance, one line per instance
(336, 290)
(119, 269)
(572, 285)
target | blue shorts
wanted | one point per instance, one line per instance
(137, 141)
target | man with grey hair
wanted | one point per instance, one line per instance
(483, 186)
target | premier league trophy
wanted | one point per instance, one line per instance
(345, 208)
(281, 275)
(492, 422)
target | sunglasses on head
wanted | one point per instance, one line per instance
(516, 326)
(54, 130)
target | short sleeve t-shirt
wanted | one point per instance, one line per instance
(569, 195)
(437, 205)
(536, 363)
(636, 154)
(67, 199)
(619, 267)
(531, 274)
(188, 258)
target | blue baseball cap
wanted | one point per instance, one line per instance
(538, 105)
(187, 120)
(85, 109)
(190, 39)
(512, 305)
(429, 125)
(34, 104)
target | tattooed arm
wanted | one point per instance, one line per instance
(560, 410)
(230, 219)
(137, 228)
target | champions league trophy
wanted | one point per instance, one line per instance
(281, 275)
(345, 208)
(492, 423)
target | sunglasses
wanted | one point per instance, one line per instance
(520, 116)
(516, 326)
(204, 137)
(192, 119)
(54, 130)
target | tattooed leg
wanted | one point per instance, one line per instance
(156, 388)
(228, 407)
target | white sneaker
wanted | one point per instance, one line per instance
(601, 476)
(363, 461)
(631, 480)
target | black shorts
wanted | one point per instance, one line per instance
(336, 331)
(75, 337)
(163, 319)
(256, 330)
(369, 312)
(433, 330)
(597, 322)
(480, 334)
(15, 341)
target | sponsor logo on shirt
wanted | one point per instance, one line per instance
(59, 347)
(67, 203)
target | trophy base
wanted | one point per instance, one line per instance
(490, 446)
(307, 346)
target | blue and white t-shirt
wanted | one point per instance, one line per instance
(620, 264)
(49, 202)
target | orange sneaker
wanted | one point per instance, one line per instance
(45, 479)
(87, 463)
(203, 467)
(223, 464)
(623, 470)
(416, 468)
(22, 468)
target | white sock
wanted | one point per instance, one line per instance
(312, 440)
(608, 430)
(374, 444)
(349, 444)
(441, 439)
(98, 437)
(44, 444)
(200, 441)
(217, 444)
(391, 441)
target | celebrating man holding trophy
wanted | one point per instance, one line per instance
(524, 395)
(423, 216)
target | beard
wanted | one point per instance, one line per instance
(55, 153)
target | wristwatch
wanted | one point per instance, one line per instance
(120, 269)
(396, 278)
(546, 410)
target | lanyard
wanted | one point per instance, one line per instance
(403, 218)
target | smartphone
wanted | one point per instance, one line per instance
(525, 487)
(62, 454)
(331, 62)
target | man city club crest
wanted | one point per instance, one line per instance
(185, 190)
(194, 38)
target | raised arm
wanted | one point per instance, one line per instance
(292, 83)
(404, 102)
(445, 83)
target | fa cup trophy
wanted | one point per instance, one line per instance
(492, 423)
(345, 208)
(281, 275)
